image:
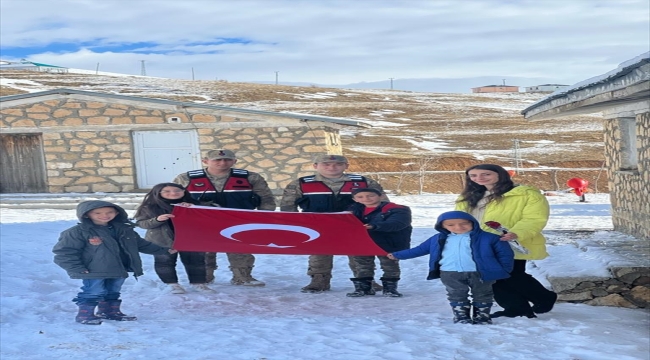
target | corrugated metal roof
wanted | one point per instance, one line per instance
(66, 91)
(622, 70)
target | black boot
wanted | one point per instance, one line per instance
(545, 304)
(481, 313)
(390, 287)
(508, 296)
(461, 312)
(362, 287)
(86, 314)
(110, 310)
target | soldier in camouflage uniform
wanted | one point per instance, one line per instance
(329, 190)
(222, 185)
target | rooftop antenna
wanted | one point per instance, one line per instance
(143, 70)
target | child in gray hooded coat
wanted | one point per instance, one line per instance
(101, 250)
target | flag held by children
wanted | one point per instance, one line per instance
(211, 229)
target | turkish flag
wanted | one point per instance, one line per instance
(211, 229)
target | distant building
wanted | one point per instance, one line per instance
(30, 65)
(496, 88)
(546, 88)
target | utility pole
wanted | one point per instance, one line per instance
(143, 70)
(192, 73)
(391, 83)
(504, 82)
(516, 156)
(276, 77)
(97, 69)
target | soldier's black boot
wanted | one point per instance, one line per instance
(362, 287)
(390, 287)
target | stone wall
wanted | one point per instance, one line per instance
(630, 197)
(88, 144)
(627, 287)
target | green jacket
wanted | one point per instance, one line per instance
(524, 211)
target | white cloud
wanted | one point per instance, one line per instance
(331, 42)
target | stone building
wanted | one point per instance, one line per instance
(67, 140)
(623, 96)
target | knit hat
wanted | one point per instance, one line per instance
(370, 190)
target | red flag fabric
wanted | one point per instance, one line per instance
(211, 229)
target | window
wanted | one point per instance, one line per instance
(629, 154)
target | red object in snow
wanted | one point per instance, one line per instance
(578, 185)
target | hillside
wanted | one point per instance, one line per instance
(449, 131)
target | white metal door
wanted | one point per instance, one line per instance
(161, 155)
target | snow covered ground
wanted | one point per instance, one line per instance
(277, 322)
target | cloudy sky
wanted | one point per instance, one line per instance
(329, 41)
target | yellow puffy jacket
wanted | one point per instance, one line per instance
(524, 211)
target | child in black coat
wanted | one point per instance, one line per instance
(389, 225)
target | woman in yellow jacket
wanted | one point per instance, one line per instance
(490, 195)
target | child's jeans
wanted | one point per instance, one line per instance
(95, 290)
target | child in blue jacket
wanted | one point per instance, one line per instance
(464, 258)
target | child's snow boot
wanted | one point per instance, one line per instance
(86, 314)
(390, 287)
(319, 283)
(362, 287)
(461, 312)
(481, 313)
(110, 310)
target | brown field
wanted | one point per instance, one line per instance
(451, 131)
